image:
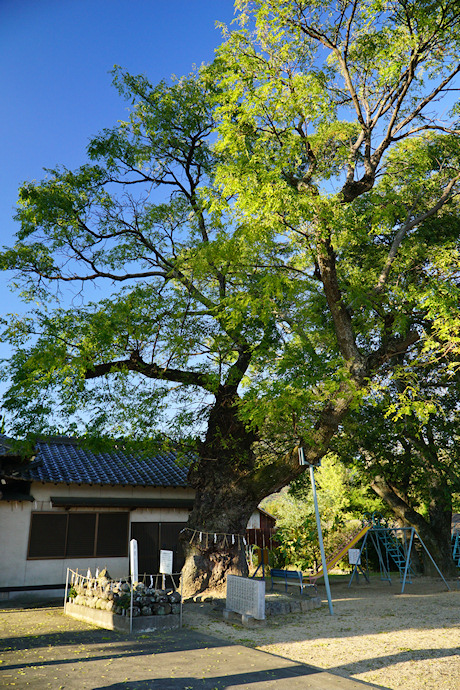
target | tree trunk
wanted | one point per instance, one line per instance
(211, 552)
(214, 540)
(438, 538)
(225, 498)
(229, 485)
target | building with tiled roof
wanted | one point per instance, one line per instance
(70, 507)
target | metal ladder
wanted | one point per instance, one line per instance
(389, 546)
(455, 540)
(393, 549)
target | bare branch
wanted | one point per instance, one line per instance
(408, 225)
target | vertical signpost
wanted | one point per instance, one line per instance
(318, 527)
(134, 572)
(133, 562)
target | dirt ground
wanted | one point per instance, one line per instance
(407, 641)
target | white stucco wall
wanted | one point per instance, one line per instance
(254, 521)
(14, 535)
(159, 515)
(42, 492)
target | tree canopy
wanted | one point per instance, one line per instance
(403, 442)
(276, 229)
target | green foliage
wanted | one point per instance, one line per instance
(342, 501)
(407, 433)
(124, 602)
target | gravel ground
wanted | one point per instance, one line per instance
(407, 641)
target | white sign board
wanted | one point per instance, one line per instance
(166, 562)
(133, 566)
(246, 596)
(353, 556)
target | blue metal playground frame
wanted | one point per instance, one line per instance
(395, 544)
(456, 546)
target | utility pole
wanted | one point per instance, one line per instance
(318, 527)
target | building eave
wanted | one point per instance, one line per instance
(123, 502)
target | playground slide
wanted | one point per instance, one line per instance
(340, 554)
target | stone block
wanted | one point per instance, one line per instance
(310, 604)
(278, 608)
(251, 622)
(295, 606)
(111, 621)
(231, 615)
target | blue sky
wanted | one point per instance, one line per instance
(55, 58)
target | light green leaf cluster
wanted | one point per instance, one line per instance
(282, 221)
(342, 501)
(407, 434)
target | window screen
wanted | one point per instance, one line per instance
(47, 535)
(78, 535)
(112, 534)
(81, 533)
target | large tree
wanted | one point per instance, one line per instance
(404, 442)
(265, 221)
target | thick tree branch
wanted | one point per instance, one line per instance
(282, 470)
(237, 371)
(274, 475)
(339, 312)
(136, 364)
(392, 348)
(398, 505)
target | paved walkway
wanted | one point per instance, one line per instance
(54, 656)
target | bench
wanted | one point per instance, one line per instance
(290, 577)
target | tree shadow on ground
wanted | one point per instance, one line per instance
(149, 643)
(165, 653)
(402, 657)
(217, 682)
(355, 614)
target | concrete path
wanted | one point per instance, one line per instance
(83, 658)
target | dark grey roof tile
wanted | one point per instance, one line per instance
(62, 461)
